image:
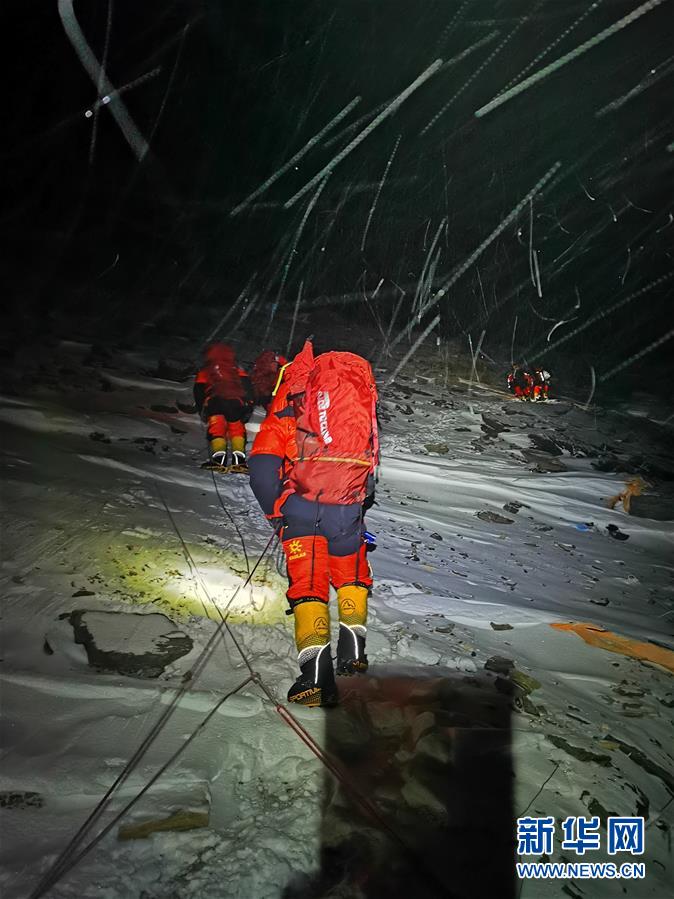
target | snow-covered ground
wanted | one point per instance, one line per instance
(477, 707)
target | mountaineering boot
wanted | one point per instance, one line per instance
(351, 658)
(239, 452)
(239, 459)
(316, 684)
(218, 448)
(352, 603)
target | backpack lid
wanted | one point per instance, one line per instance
(298, 370)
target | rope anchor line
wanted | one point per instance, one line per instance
(68, 859)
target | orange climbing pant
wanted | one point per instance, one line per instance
(218, 426)
(311, 568)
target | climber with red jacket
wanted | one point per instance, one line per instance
(264, 376)
(541, 384)
(222, 395)
(520, 382)
(312, 470)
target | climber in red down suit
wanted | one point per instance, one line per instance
(311, 470)
(222, 395)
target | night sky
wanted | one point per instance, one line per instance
(224, 93)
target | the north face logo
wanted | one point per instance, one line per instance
(323, 404)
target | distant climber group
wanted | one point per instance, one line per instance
(525, 385)
(225, 396)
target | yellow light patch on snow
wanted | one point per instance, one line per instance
(157, 574)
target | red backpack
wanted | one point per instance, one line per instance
(337, 438)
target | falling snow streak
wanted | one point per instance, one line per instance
(412, 350)
(97, 74)
(593, 386)
(372, 311)
(381, 184)
(606, 312)
(307, 109)
(627, 267)
(537, 273)
(667, 224)
(246, 312)
(298, 301)
(653, 77)
(423, 280)
(346, 299)
(512, 342)
(568, 57)
(170, 82)
(225, 318)
(637, 356)
(394, 316)
(105, 98)
(531, 241)
(354, 126)
(451, 25)
(293, 250)
(477, 71)
(296, 158)
(512, 215)
(563, 321)
(474, 355)
(551, 46)
(386, 113)
(487, 39)
(99, 89)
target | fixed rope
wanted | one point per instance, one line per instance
(68, 862)
(231, 518)
(61, 865)
(72, 862)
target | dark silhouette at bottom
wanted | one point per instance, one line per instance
(433, 756)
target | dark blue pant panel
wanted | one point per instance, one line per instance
(340, 525)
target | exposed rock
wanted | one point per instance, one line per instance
(499, 664)
(525, 682)
(19, 799)
(543, 463)
(500, 627)
(99, 437)
(641, 759)
(494, 517)
(583, 755)
(545, 444)
(178, 821)
(514, 507)
(440, 448)
(492, 426)
(657, 508)
(128, 643)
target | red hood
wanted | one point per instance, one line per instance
(220, 354)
